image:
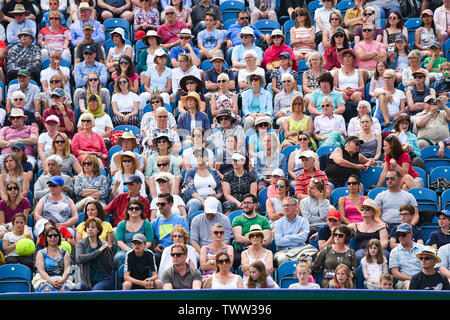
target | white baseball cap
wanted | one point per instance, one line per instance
(211, 204)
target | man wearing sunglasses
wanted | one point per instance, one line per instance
(402, 259)
(181, 275)
(170, 31)
(369, 52)
(118, 205)
(55, 68)
(428, 278)
(185, 46)
(406, 216)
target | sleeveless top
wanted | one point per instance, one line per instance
(362, 238)
(418, 96)
(351, 212)
(251, 260)
(369, 149)
(427, 37)
(210, 255)
(117, 56)
(57, 210)
(391, 39)
(338, 174)
(216, 285)
(19, 180)
(54, 267)
(303, 33)
(297, 125)
(348, 81)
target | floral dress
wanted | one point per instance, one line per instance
(225, 101)
(151, 17)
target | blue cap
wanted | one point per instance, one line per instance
(56, 180)
(285, 54)
(404, 227)
(19, 145)
(445, 212)
(132, 179)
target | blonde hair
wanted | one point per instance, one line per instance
(66, 145)
(223, 76)
(389, 73)
(312, 55)
(19, 192)
(349, 282)
(181, 230)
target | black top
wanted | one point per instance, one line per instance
(338, 175)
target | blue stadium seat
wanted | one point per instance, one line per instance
(286, 270)
(412, 24)
(288, 25)
(445, 200)
(427, 230)
(426, 198)
(338, 193)
(46, 63)
(288, 150)
(262, 197)
(313, 5)
(325, 150)
(375, 191)
(267, 25)
(343, 5)
(422, 174)
(446, 49)
(131, 128)
(234, 214)
(15, 278)
(196, 213)
(429, 156)
(437, 172)
(370, 177)
(360, 278)
(230, 9)
(112, 23)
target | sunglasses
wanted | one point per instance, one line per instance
(93, 79)
(177, 236)
(255, 235)
(244, 36)
(243, 18)
(123, 62)
(254, 79)
(87, 163)
(366, 208)
(155, 101)
(53, 18)
(190, 82)
(14, 118)
(419, 77)
(286, 81)
(368, 14)
(262, 125)
(367, 30)
(425, 258)
(326, 105)
(127, 161)
(86, 120)
(161, 204)
(55, 81)
(177, 254)
(159, 165)
(303, 139)
(185, 38)
(217, 233)
(18, 99)
(280, 185)
(59, 141)
(219, 119)
(12, 188)
(339, 235)
(169, 13)
(122, 82)
(353, 183)
(339, 35)
(391, 178)
(51, 185)
(223, 261)
(134, 208)
(53, 235)
(221, 81)
(55, 57)
(336, 19)
(393, 18)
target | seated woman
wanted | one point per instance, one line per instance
(322, 18)
(347, 204)
(237, 183)
(329, 128)
(256, 101)
(124, 103)
(403, 127)
(119, 49)
(397, 159)
(265, 10)
(223, 160)
(349, 80)
(126, 68)
(91, 184)
(285, 67)
(268, 160)
(128, 166)
(296, 122)
(163, 182)
(13, 171)
(263, 124)
(55, 36)
(93, 86)
(283, 99)
(251, 58)
(13, 204)
(432, 122)
(324, 90)
(274, 205)
(188, 160)
(223, 278)
(94, 209)
(224, 99)
(46, 138)
(338, 42)
(271, 58)
(61, 147)
(87, 142)
(417, 93)
(354, 126)
(147, 58)
(157, 79)
(371, 146)
(426, 34)
(19, 150)
(315, 61)
(394, 26)
(55, 81)
(336, 22)
(377, 81)
(302, 34)
(192, 118)
(414, 60)
(188, 84)
(146, 18)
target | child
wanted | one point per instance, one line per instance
(20, 231)
(398, 60)
(272, 191)
(43, 224)
(342, 278)
(373, 264)
(259, 278)
(441, 237)
(386, 281)
(303, 273)
(434, 61)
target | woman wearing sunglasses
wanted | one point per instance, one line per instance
(126, 68)
(223, 278)
(13, 204)
(335, 254)
(347, 205)
(274, 206)
(128, 166)
(12, 170)
(61, 146)
(302, 35)
(224, 99)
(263, 124)
(125, 103)
(93, 86)
(134, 223)
(55, 36)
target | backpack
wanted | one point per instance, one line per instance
(409, 8)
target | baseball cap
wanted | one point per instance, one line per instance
(334, 214)
(404, 227)
(24, 72)
(354, 139)
(58, 92)
(19, 145)
(278, 172)
(88, 25)
(307, 154)
(52, 118)
(211, 204)
(139, 237)
(88, 49)
(238, 156)
(132, 179)
(56, 180)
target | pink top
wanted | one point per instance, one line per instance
(9, 213)
(82, 142)
(351, 212)
(9, 133)
(54, 40)
(170, 33)
(369, 47)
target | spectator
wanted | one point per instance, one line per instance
(181, 275)
(128, 166)
(188, 160)
(335, 254)
(19, 231)
(119, 49)
(349, 80)
(215, 244)
(416, 94)
(268, 160)
(92, 210)
(272, 56)
(432, 122)
(284, 98)
(135, 223)
(262, 10)
(374, 264)
(77, 28)
(232, 38)
(199, 12)
(18, 132)
(398, 160)
(442, 146)
(193, 115)
(163, 182)
(81, 70)
(256, 101)
(18, 100)
(55, 36)
(55, 68)
(95, 257)
(428, 278)
(178, 235)
(24, 55)
(259, 278)
(347, 205)
(124, 103)
(440, 20)
(285, 67)
(183, 10)
(403, 127)
(325, 89)
(377, 81)
(170, 31)
(16, 26)
(108, 9)
(190, 84)
(302, 180)
(212, 83)
(342, 278)
(29, 6)
(443, 266)
(303, 34)
(210, 40)
(441, 236)
(118, 205)
(87, 40)
(250, 66)
(60, 109)
(92, 87)
(329, 127)
(290, 233)
(186, 46)
(338, 42)
(223, 274)
(322, 18)
(13, 203)
(247, 35)
(414, 60)
(403, 262)
(53, 167)
(336, 21)
(303, 273)
(368, 50)
(354, 17)
(315, 62)
(390, 201)
(442, 86)
(427, 33)
(224, 98)
(274, 204)
(87, 142)
(407, 213)
(186, 68)
(61, 147)
(434, 60)
(48, 6)
(146, 18)
(325, 233)
(157, 80)
(295, 163)
(255, 144)
(371, 146)
(393, 28)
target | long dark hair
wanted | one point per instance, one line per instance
(100, 211)
(346, 43)
(396, 146)
(131, 70)
(400, 22)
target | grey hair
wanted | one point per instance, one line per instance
(56, 158)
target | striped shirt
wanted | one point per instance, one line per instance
(303, 179)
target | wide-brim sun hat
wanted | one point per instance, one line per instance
(261, 76)
(340, 57)
(193, 95)
(159, 136)
(128, 135)
(255, 229)
(151, 33)
(118, 158)
(190, 78)
(371, 204)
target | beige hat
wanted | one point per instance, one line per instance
(218, 55)
(19, 8)
(247, 30)
(194, 95)
(264, 119)
(52, 118)
(429, 251)
(16, 112)
(186, 32)
(127, 135)
(118, 158)
(277, 32)
(255, 229)
(371, 204)
(85, 6)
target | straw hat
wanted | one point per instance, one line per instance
(119, 157)
(255, 229)
(371, 204)
(128, 135)
(194, 95)
(429, 251)
(19, 8)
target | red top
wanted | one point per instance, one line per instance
(404, 157)
(118, 206)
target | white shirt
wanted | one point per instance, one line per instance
(125, 103)
(177, 74)
(101, 123)
(46, 74)
(323, 124)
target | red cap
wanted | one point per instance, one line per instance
(335, 214)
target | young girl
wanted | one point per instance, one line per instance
(303, 273)
(426, 34)
(20, 231)
(373, 264)
(377, 81)
(398, 59)
(342, 278)
(259, 278)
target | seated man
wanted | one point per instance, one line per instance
(186, 46)
(444, 265)
(88, 31)
(310, 171)
(247, 35)
(428, 278)
(407, 213)
(55, 68)
(170, 31)
(211, 74)
(442, 86)
(210, 40)
(41, 188)
(31, 91)
(181, 275)
(441, 236)
(369, 51)
(19, 99)
(60, 109)
(19, 23)
(76, 28)
(89, 64)
(198, 15)
(291, 232)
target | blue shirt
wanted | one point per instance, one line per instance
(235, 29)
(288, 235)
(81, 70)
(209, 39)
(406, 261)
(176, 51)
(317, 96)
(265, 106)
(239, 50)
(14, 28)
(163, 227)
(76, 31)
